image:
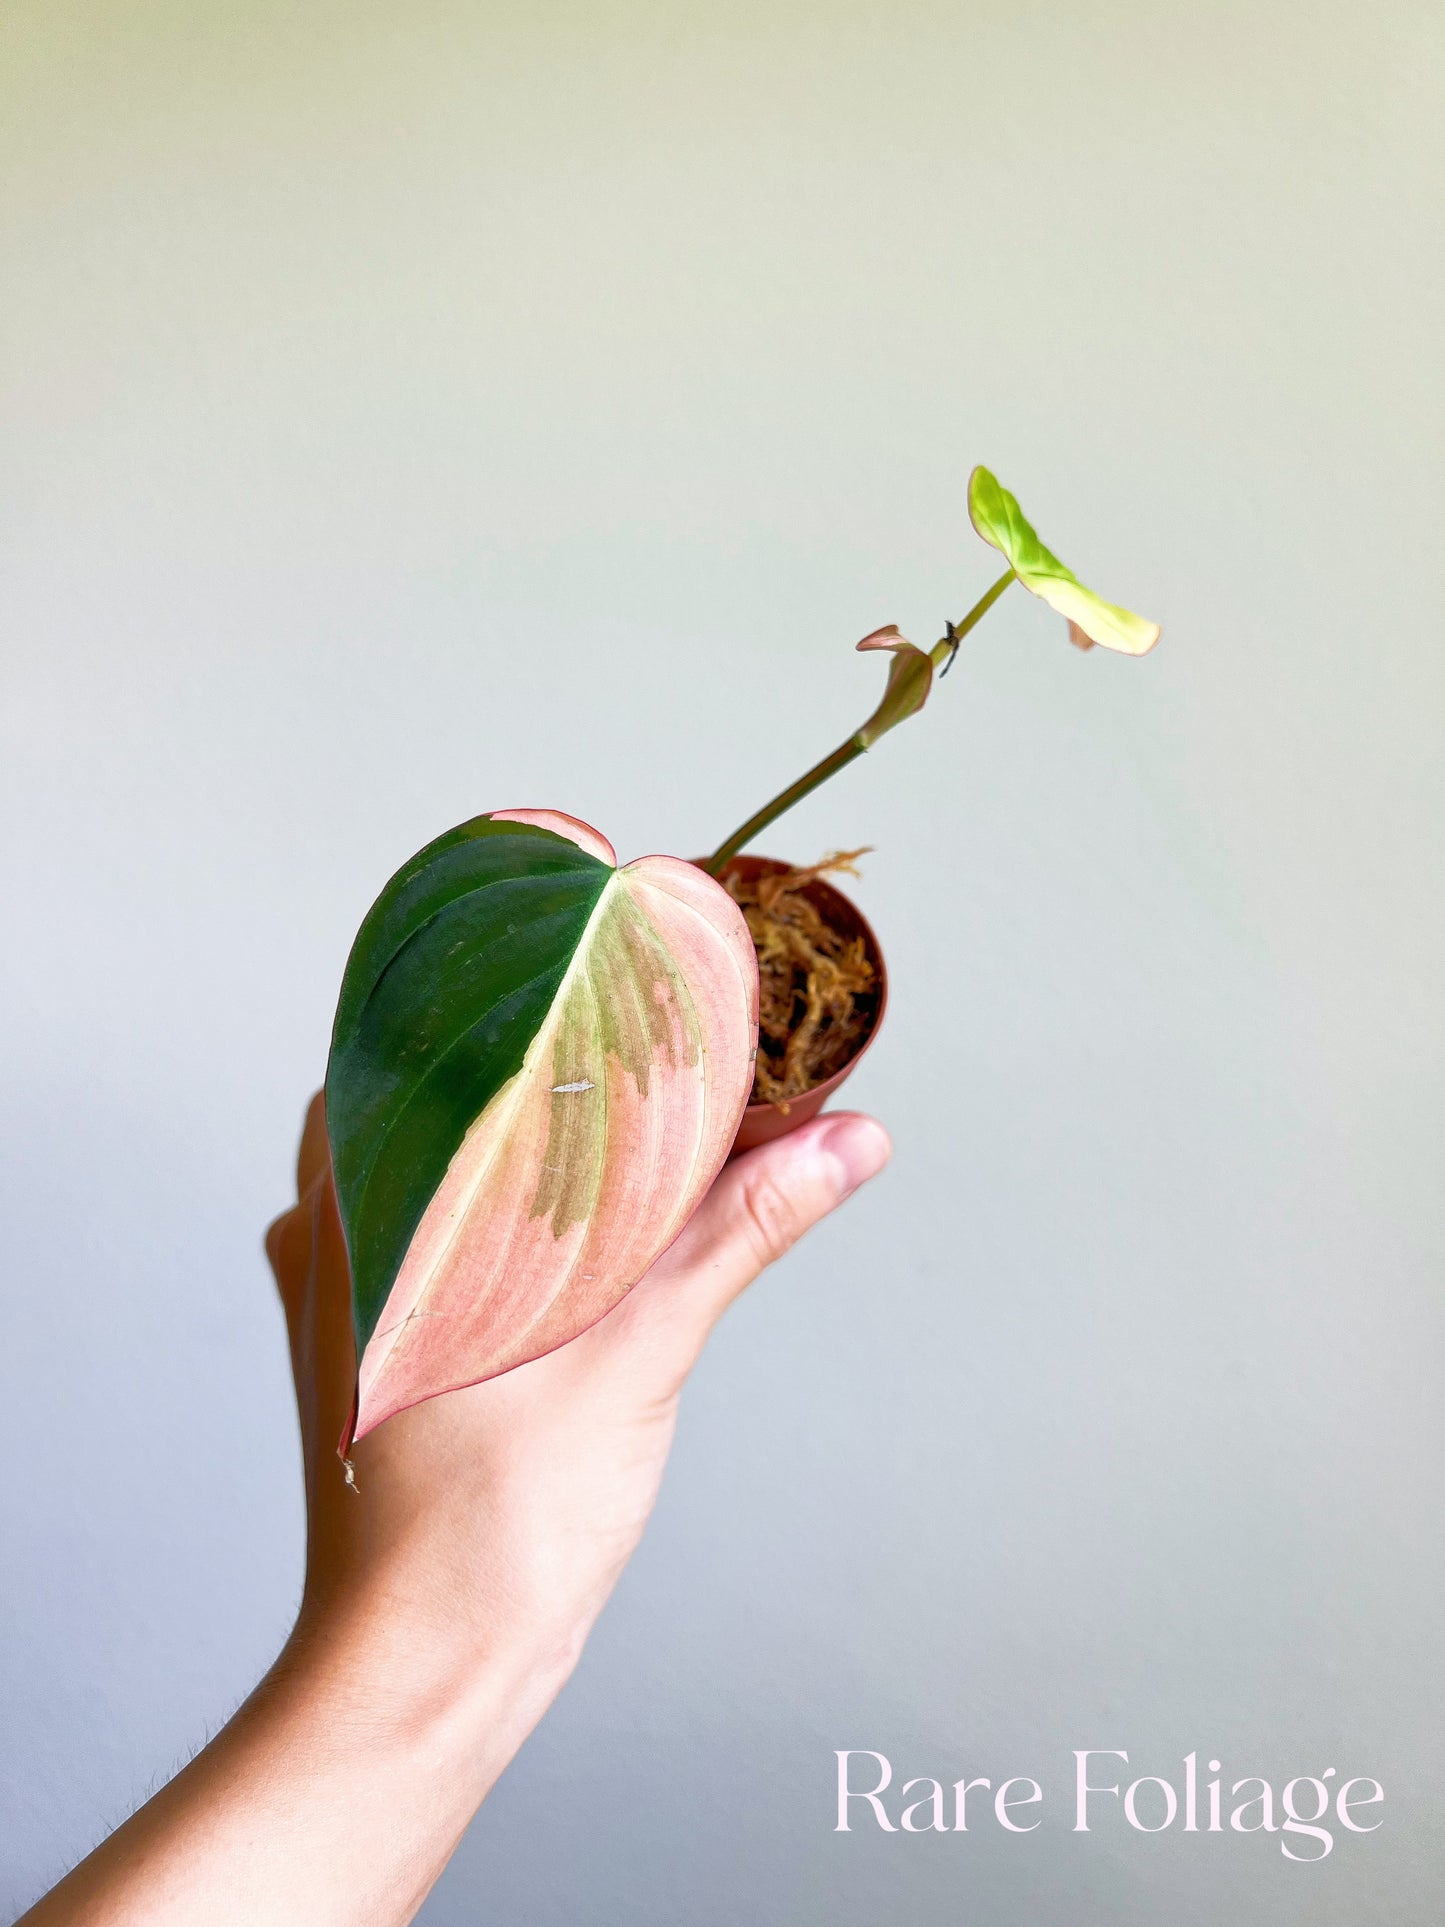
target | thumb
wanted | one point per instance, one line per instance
(762, 1203)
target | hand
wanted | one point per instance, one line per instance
(516, 1503)
(449, 1593)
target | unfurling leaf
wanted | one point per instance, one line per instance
(1002, 523)
(910, 677)
(538, 1066)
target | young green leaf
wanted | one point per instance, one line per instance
(997, 517)
(538, 1066)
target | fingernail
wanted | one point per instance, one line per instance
(860, 1147)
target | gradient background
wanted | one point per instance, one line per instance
(414, 410)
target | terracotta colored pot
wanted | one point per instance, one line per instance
(764, 1121)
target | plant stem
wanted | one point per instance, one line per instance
(845, 753)
(975, 615)
(795, 792)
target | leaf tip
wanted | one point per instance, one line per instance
(980, 479)
(888, 637)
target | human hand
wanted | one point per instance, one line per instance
(499, 1517)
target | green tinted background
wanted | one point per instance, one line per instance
(412, 410)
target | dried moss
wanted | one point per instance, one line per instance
(818, 988)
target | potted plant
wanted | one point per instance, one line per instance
(540, 1059)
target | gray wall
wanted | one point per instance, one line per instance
(417, 410)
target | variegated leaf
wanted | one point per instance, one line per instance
(997, 517)
(538, 1066)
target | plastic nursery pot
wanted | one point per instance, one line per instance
(762, 1122)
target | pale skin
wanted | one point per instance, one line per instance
(448, 1597)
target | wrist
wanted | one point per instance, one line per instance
(389, 1673)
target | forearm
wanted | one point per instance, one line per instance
(336, 1794)
(451, 1588)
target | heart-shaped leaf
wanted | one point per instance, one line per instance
(1002, 523)
(538, 1066)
